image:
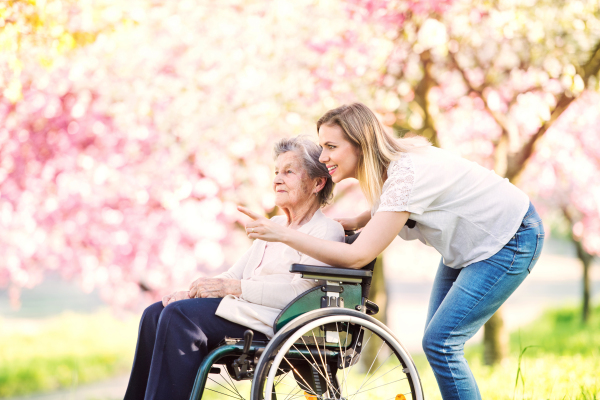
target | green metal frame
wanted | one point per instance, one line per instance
(311, 300)
(308, 301)
(212, 358)
(235, 350)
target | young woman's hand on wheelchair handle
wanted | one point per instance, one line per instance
(355, 223)
(349, 224)
(215, 287)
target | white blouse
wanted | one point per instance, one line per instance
(264, 272)
(463, 210)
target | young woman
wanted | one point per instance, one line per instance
(485, 228)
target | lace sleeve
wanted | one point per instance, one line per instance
(398, 186)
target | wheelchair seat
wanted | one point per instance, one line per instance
(318, 338)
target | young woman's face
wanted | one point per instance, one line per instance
(338, 154)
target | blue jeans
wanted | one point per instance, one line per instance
(462, 300)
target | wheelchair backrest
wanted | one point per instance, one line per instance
(366, 284)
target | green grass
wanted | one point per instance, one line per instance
(556, 357)
(63, 351)
(72, 349)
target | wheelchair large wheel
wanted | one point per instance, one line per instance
(319, 360)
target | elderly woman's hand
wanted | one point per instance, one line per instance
(215, 287)
(175, 296)
(263, 228)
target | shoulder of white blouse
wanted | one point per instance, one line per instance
(325, 228)
(397, 189)
(401, 166)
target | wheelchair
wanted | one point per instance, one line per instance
(315, 351)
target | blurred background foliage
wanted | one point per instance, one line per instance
(130, 130)
(63, 352)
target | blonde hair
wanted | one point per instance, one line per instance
(377, 147)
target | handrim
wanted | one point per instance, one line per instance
(348, 316)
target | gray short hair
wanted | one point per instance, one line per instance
(309, 152)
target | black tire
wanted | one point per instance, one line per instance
(319, 371)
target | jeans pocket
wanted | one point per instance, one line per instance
(538, 251)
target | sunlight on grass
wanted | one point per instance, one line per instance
(545, 377)
(63, 351)
(563, 361)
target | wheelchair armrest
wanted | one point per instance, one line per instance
(331, 273)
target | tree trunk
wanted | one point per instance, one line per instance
(378, 290)
(379, 296)
(586, 260)
(421, 92)
(495, 339)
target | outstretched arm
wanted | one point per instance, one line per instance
(374, 238)
(354, 223)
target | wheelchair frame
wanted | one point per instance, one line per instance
(342, 299)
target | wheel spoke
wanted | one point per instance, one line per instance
(320, 356)
(235, 392)
(364, 345)
(324, 363)
(224, 394)
(385, 384)
(344, 383)
(381, 376)
(283, 375)
(372, 363)
(381, 365)
(318, 369)
(379, 380)
(231, 383)
(311, 354)
(294, 389)
(307, 385)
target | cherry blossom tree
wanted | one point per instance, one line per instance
(488, 82)
(563, 174)
(130, 130)
(122, 162)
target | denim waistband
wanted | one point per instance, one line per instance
(531, 218)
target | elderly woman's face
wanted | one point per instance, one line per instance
(292, 184)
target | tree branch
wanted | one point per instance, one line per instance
(593, 65)
(519, 161)
(499, 118)
(531, 89)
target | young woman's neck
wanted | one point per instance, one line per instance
(298, 216)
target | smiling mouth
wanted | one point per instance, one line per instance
(332, 169)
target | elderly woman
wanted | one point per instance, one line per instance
(177, 333)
